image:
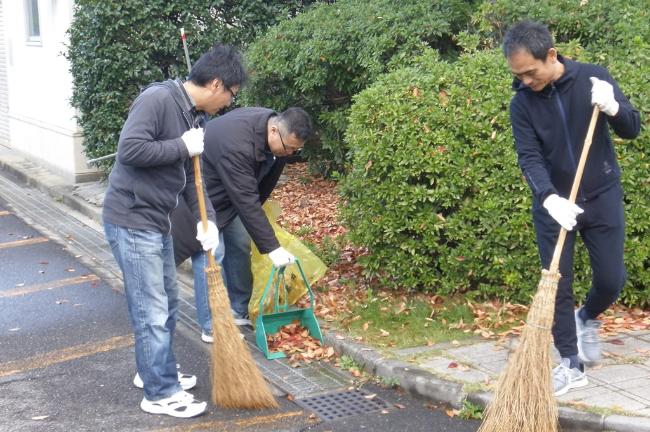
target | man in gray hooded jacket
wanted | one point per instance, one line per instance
(153, 169)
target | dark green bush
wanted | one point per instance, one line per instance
(117, 47)
(320, 59)
(593, 23)
(436, 194)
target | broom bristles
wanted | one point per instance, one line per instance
(236, 380)
(524, 399)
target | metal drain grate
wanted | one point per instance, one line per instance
(334, 406)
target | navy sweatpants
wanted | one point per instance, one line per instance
(602, 229)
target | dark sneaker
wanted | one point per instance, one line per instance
(566, 378)
(241, 320)
(181, 404)
(589, 350)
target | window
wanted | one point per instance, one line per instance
(33, 25)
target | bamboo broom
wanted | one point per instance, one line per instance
(524, 399)
(236, 380)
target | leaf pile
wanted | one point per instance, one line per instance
(294, 340)
(310, 204)
(308, 201)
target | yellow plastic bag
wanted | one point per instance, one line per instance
(261, 266)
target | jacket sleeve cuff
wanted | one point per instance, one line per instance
(545, 194)
(269, 248)
(182, 148)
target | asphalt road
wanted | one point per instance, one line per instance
(67, 361)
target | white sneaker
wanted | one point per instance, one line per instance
(207, 338)
(180, 404)
(589, 349)
(566, 378)
(185, 380)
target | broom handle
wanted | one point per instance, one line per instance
(198, 178)
(187, 53)
(198, 182)
(555, 262)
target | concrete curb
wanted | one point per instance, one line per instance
(50, 184)
(423, 384)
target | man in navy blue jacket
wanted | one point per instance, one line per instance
(550, 115)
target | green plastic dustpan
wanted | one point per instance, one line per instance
(283, 314)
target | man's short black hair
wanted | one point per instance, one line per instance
(296, 121)
(222, 62)
(529, 36)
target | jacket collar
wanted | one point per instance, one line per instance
(261, 136)
(185, 102)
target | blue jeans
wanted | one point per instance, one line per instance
(146, 259)
(199, 263)
(236, 265)
(234, 256)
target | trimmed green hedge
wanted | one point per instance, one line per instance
(436, 194)
(593, 23)
(116, 47)
(320, 59)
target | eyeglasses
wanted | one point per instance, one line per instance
(293, 152)
(233, 96)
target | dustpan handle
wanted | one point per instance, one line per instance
(282, 281)
(266, 291)
(555, 262)
(304, 278)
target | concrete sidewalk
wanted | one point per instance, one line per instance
(617, 398)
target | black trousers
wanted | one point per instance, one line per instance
(602, 229)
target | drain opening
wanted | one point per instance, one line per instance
(334, 406)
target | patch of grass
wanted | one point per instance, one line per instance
(391, 322)
(304, 230)
(388, 382)
(347, 363)
(470, 411)
(329, 250)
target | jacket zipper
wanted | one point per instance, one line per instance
(568, 139)
(565, 126)
(186, 115)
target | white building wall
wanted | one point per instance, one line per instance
(41, 121)
(4, 95)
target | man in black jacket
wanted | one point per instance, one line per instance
(152, 171)
(245, 153)
(550, 114)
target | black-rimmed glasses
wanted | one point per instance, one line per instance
(233, 96)
(293, 152)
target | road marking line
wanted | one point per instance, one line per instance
(266, 419)
(4, 213)
(29, 241)
(43, 360)
(232, 425)
(48, 286)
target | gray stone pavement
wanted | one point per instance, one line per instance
(616, 399)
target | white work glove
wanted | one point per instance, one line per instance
(602, 94)
(562, 210)
(281, 257)
(193, 139)
(209, 239)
